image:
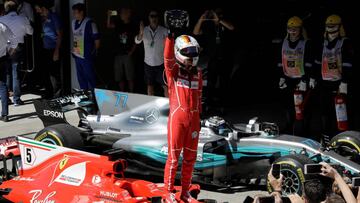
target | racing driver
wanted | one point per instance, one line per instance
(184, 85)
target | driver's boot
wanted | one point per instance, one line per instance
(170, 198)
(187, 198)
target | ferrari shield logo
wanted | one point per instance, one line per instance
(63, 162)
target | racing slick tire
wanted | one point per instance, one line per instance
(292, 168)
(347, 144)
(62, 135)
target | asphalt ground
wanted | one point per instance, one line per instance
(23, 121)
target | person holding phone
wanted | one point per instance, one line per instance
(215, 34)
(124, 47)
(328, 171)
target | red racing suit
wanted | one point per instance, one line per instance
(184, 118)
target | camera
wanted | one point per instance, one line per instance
(114, 13)
(209, 14)
(355, 182)
(276, 168)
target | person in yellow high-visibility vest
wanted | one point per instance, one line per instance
(294, 68)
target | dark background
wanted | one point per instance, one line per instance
(253, 87)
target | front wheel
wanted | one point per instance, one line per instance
(347, 144)
(292, 167)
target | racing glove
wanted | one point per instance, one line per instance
(282, 83)
(312, 83)
(343, 88)
(301, 86)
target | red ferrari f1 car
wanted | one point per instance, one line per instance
(37, 172)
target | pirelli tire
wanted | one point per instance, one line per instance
(347, 144)
(62, 135)
(292, 168)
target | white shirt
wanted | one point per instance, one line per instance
(19, 25)
(26, 10)
(154, 52)
(6, 39)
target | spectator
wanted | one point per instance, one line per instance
(20, 27)
(212, 30)
(86, 41)
(346, 192)
(153, 37)
(51, 38)
(334, 198)
(2, 10)
(314, 191)
(25, 9)
(6, 36)
(124, 68)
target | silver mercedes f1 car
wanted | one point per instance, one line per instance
(134, 127)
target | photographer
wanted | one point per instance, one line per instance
(330, 172)
(214, 34)
(314, 190)
(125, 31)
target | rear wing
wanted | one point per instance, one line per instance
(53, 111)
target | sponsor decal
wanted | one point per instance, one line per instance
(9, 141)
(152, 187)
(63, 162)
(37, 199)
(121, 99)
(195, 85)
(137, 119)
(108, 194)
(114, 129)
(96, 179)
(30, 156)
(72, 175)
(199, 157)
(194, 134)
(164, 150)
(112, 196)
(54, 114)
(152, 115)
(28, 179)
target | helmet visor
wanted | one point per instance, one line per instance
(190, 51)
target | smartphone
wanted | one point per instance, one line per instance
(248, 199)
(355, 182)
(114, 13)
(276, 168)
(312, 168)
(267, 199)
